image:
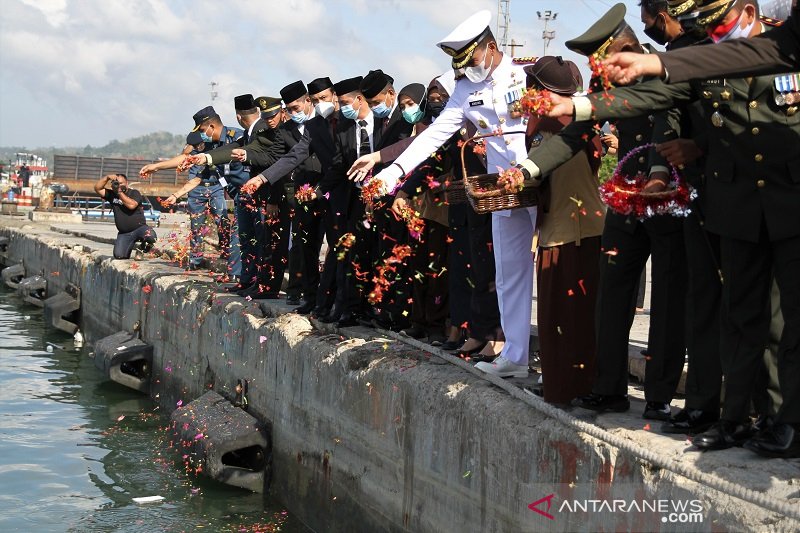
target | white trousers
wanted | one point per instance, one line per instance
(513, 237)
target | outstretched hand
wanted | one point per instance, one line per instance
(362, 166)
(625, 67)
(191, 160)
(562, 106)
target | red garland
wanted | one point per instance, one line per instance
(400, 253)
(415, 224)
(599, 71)
(624, 195)
(511, 180)
(305, 193)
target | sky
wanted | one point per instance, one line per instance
(78, 72)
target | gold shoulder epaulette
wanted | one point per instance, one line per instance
(770, 21)
(231, 133)
(525, 59)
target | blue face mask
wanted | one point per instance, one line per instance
(413, 114)
(382, 110)
(204, 136)
(349, 112)
(299, 117)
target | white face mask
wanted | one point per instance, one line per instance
(737, 32)
(324, 109)
(481, 72)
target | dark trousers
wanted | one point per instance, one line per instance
(275, 255)
(389, 232)
(124, 243)
(747, 268)
(625, 254)
(326, 292)
(309, 217)
(430, 279)
(356, 268)
(567, 279)
(296, 266)
(250, 222)
(484, 310)
(458, 259)
(704, 375)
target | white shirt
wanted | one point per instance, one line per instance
(302, 127)
(485, 104)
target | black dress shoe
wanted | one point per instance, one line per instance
(689, 422)
(238, 287)
(320, 313)
(723, 435)
(779, 440)
(415, 332)
(331, 318)
(449, 346)
(347, 320)
(603, 404)
(293, 300)
(472, 351)
(304, 309)
(656, 411)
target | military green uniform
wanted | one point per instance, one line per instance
(753, 185)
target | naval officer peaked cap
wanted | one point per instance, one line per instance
(203, 115)
(601, 34)
(462, 41)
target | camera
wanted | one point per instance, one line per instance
(115, 185)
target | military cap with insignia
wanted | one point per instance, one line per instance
(374, 82)
(601, 34)
(293, 91)
(244, 102)
(711, 12)
(269, 105)
(204, 114)
(348, 86)
(555, 74)
(675, 8)
(462, 42)
(320, 84)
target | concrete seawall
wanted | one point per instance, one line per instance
(371, 434)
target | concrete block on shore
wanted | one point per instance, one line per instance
(12, 275)
(223, 442)
(63, 304)
(125, 359)
(33, 290)
(46, 216)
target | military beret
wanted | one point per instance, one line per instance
(269, 105)
(244, 102)
(711, 12)
(462, 41)
(203, 115)
(348, 86)
(194, 138)
(320, 84)
(601, 34)
(293, 91)
(374, 82)
(554, 74)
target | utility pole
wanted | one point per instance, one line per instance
(503, 22)
(214, 93)
(547, 36)
(514, 46)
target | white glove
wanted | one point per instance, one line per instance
(389, 178)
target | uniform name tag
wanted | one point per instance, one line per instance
(476, 103)
(223, 181)
(717, 81)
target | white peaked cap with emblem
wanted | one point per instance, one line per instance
(462, 41)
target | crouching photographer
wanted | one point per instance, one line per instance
(128, 215)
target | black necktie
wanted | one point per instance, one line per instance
(363, 147)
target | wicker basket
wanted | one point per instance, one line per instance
(455, 193)
(486, 196)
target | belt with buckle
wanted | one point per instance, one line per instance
(209, 183)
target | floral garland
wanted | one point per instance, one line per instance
(414, 223)
(511, 180)
(625, 195)
(400, 252)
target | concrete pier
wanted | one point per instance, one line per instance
(374, 434)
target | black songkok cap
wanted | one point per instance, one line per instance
(244, 102)
(293, 91)
(320, 84)
(348, 86)
(374, 82)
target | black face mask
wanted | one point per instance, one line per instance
(657, 34)
(435, 108)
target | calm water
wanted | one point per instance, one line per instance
(75, 449)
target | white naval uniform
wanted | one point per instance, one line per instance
(485, 105)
